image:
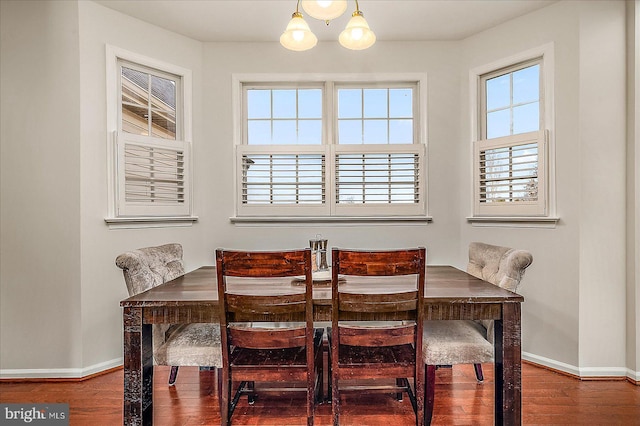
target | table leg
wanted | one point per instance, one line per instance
(138, 369)
(508, 366)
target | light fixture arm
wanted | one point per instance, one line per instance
(297, 12)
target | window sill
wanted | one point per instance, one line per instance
(149, 222)
(322, 219)
(514, 221)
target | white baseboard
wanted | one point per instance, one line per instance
(633, 375)
(60, 373)
(77, 373)
(583, 372)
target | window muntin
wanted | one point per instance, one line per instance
(148, 101)
(364, 157)
(284, 116)
(375, 115)
(511, 100)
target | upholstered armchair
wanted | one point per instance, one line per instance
(471, 342)
(173, 344)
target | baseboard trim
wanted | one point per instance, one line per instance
(60, 373)
(590, 373)
(584, 373)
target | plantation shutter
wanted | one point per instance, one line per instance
(283, 179)
(509, 175)
(377, 178)
(383, 177)
(153, 176)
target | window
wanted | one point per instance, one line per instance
(510, 166)
(330, 149)
(152, 155)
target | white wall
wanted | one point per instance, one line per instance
(602, 170)
(40, 181)
(633, 188)
(564, 289)
(102, 284)
(574, 310)
(550, 313)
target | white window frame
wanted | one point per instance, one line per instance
(330, 210)
(123, 213)
(544, 210)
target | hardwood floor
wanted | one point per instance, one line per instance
(548, 398)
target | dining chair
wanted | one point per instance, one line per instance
(267, 335)
(173, 344)
(471, 342)
(377, 333)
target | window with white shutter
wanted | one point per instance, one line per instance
(510, 156)
(151, 149)
(331, 148)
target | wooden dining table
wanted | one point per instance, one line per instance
(450, 294)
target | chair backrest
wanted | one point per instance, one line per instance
(149, 267)
(247, 316)
(404, 308)
(502, 266)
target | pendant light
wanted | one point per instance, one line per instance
(325, 10)
(298, 36)
(357, 35)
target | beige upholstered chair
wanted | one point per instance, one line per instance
(173, 344)
(471, 342)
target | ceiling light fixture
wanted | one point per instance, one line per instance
(298, 36)
(357, 35)
(325, 10)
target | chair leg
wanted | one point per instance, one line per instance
(319, 374)
(335, 402)
(224, 390)
(419, 388)
(252, 396)
(430, 384)
(399, 383)
(311, 392)
(173, 375)
(479, 375)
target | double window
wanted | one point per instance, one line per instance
(151, 152)
(331, 148)
(510, 155)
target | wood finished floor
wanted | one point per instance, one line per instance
(548, 398)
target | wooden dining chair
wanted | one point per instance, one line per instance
(377, 334)
(267, 336)
(195, 344)
(471, 342)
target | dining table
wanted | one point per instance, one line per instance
(450, 294)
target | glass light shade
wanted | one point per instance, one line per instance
(357, 35)
(324, 10)
(298, 36)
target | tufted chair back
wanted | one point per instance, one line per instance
(149, 267)
(502, 266)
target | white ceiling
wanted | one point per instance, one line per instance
(265, 20)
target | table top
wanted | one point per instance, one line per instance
(444, 284)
